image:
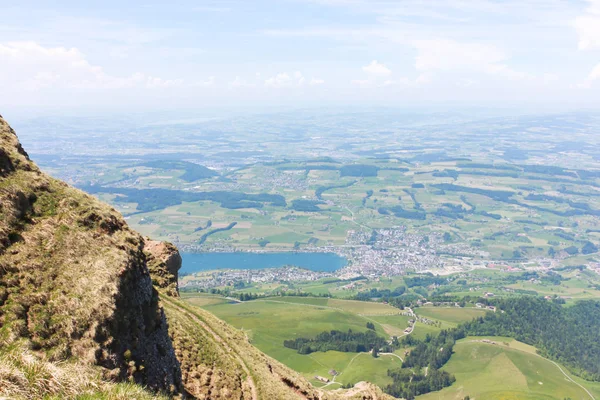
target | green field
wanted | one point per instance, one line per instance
(268, 322)
(542, 212)
(450, 315)
(504, 371)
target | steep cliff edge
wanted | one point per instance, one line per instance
(84, 305)
(74, 281)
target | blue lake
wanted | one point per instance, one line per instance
(324, 262)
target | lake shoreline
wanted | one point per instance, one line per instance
(250, 260)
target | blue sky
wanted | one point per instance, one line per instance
(149, 55)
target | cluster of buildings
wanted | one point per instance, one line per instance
(230, 277)
(394, 251)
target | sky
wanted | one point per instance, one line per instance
(149, 55)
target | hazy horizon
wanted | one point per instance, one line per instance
(532, 55)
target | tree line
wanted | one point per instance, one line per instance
(349, 342)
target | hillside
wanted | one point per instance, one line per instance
(89, 308)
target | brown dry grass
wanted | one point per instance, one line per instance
(24, 376)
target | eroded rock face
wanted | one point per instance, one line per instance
(74, 279)
(164, 262)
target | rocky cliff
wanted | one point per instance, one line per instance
(74, 279)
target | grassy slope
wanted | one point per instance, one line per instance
(487, 371)
(70, 268)
(450, 315)
(259, 376)
(269, 322)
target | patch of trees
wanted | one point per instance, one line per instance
(506, 167)
(348, 342)
(556, 199)
(414, 198)
(207, 234)
(432, 353)
(192, 172)
(400, 169)
(531, 222)
(449, 210)
(424, 280)
(515, 154)
(490, 215)
(400, 212)
(306, 205)
(408, 384)
(380, 293)
(322, 189)
(464, 199)
(500, 195)
(548, 170)
(309, 168)
(369, 194)
(492, 173)
(589, 248)
(201, 228)
(564, 235)
(568, 335)
(370, 326)
(157, 199)
(435, 157)
(551, 277)
(325, 159)
(447, 173)
(359, 170)
(571, 250)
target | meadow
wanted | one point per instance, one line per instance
(268, 322)
(493, 368)
(506, 370)
(509, 211)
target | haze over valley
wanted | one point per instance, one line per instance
(300, 200)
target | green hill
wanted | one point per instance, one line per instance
(502, 368)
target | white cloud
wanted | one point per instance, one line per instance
(376, 69)
(595, 74)
(30, 66)
(376, 72)
(588, 26)
(279, 80)
(589, 80)
(283, 79)
(209, 82)
(238, 82)
(315, 82)
(362, 82)
(420, 80)
(447, 55)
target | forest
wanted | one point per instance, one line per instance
(192, 172)
(428, 355)
(568, 335)
(157, 199)
(349, 342)
(306, 205)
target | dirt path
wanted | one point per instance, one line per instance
(391, 354)
(249, 380)
(301, 304)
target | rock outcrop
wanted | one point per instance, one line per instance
(164, 261)
(74, 279)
